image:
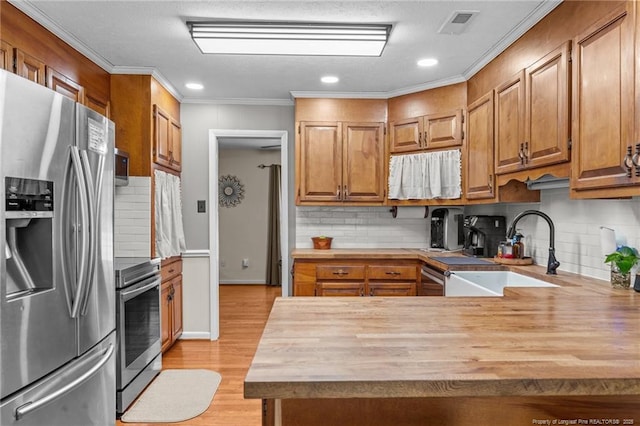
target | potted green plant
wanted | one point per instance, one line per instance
(622, 260)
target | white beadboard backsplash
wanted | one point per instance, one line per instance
(577, 228)
(132, 218)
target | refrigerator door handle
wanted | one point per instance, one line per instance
(30, 406)
(93, 230)
(85, 230)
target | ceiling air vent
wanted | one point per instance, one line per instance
(458, 21)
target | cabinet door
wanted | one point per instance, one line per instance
(176, 146)
(381, 288)
(363, 162)
(166, 308)
(6, 56)
(97, 104)
(603, 108)
(176, 319)
(340, 288)
(443, 130)
(479, 182)
(62, 84)
(320, 166)
(29, 67)
(509, 125)
(406, 135)
(547, 109)
(162, 133)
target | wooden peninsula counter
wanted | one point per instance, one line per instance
(569, 354)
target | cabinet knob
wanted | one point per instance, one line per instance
(338, 192)
(490, 183)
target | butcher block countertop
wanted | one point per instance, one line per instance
(582, 338)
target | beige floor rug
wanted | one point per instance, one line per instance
(174, 396)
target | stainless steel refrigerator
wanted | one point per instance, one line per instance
(57, 292)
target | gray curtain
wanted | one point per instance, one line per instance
(274, 263)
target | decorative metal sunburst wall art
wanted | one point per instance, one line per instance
(230, 191)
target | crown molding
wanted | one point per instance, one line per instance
(542, 10)
(342, 95)
(239, 101)
(152, 72)
(43, 19)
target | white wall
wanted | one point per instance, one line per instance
(244, 227)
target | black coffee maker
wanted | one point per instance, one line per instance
(482, 235)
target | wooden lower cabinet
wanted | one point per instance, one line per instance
(171, 302)
(356, 278)
(458, 411)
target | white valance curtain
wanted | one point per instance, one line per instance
(168, 216)
(425, 175)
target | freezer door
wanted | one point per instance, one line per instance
(95, 137)
(36, 285)
(81, 393)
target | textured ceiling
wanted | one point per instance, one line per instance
(149, 36)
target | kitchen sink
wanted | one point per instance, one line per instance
(487, 283)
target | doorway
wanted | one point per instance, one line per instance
(215, 138)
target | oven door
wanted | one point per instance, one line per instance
(138, 328)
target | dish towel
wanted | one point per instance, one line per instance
(427, 175)
(168, 216)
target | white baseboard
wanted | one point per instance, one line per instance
(261, 282)
(195, 335)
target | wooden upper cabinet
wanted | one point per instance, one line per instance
(6, 56)
(443, 130)
(167, 149)
(603, 103)
(479, 182)
(363, 162)
(341, 162)
(29, 67)
(63, 85)
(433, 131)
(406, 135)
(97, 104)
(509, 124)
(547, 118)
(320, 161)
(532, 115)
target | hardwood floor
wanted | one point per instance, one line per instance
(243, 313)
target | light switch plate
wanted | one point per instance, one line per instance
(202, 206)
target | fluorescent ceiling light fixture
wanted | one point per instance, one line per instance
(194, 86)
(329, 79)
(289, 38)
(429, 62)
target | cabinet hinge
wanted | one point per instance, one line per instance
(298, 129)
(569, 143)
(570, 56)
(463, 135)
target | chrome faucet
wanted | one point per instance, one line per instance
(552, 263)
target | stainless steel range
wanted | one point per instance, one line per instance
(139, 357)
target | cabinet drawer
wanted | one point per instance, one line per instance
(340, 289)
(171, 270)
(393, 272)
(340, 272)
(392, 289)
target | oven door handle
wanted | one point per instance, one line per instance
(130, 294)
(436, 277)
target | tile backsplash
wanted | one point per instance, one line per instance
(132, 218)
(577, 228)
(359, 227)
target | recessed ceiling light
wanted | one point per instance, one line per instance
(429, 62)
(329, 79)
(194, 86)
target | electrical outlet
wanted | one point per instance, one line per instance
(245, 263)
(223, 264)
(202, 206)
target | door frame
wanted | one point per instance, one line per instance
(214, 242)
